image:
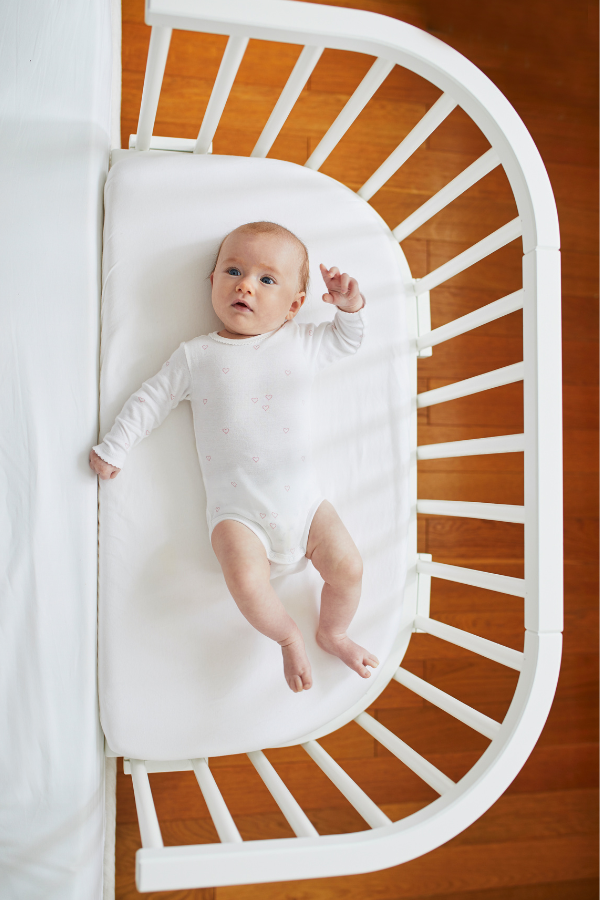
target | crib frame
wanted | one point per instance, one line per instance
(391, 42)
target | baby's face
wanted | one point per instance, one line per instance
(255, 283)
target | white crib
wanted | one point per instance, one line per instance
(387, 843)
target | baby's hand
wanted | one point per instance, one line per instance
(343, 290)
(101, 468)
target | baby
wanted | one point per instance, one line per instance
(249, 386)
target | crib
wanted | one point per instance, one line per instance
(385, 843)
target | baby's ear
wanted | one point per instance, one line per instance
(212, 277)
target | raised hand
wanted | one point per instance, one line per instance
(103, 469)
(342, 290)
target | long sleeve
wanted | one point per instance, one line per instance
(147, 408)
(331, 341)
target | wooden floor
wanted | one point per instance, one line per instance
(539, 840)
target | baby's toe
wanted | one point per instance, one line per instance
(371, 661)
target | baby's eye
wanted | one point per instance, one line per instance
(266, 279)
(233, 271)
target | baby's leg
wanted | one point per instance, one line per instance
(246, 570)
(333, 553)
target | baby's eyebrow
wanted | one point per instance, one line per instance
(231, 261)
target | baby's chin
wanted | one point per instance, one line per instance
(247, 328)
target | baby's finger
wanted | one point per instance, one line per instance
(344, 279)
(352, 287)
(328, 298)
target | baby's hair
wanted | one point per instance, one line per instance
(273, 228)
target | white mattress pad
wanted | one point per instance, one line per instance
(182, 673)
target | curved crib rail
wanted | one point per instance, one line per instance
(395, 43)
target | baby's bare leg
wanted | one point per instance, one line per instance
(246, 570)
(333, 553)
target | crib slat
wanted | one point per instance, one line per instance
(477, 252)
(376, 75)
(470, 176)
(361, 802)
(497, 309)
(292, 90)
(289, 806)
(415, 762)
(440, 110)
(466, 714)
(144, 803)
(506, 443)
(222, 818)
(506, 656)
(158, 142)
(160, 39)
(495, 512)
(234, 52)
(503, 584)
(493, 379)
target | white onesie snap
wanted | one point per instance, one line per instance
(251, 408)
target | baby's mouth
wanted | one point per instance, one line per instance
(241, 305)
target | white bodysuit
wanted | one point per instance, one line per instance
(251, 408)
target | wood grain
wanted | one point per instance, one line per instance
(538, 841)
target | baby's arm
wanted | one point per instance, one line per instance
(331, 341)
(143, 412)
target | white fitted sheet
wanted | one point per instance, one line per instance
(182, 674)
(55, 71)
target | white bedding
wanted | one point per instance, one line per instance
(55, 70)
(182, 674)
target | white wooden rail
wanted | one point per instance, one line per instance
(234, 53)
(496, 512)
(355, 795)
(506, 656)
(471, 717)
(472, 320)
(301, 72)
(160, 39)
(289, 806)
(503, 584)
(420, 766)
(391, 43)
(500, 238)
(146, 812)
(374, 78)
(505, 443)
(470, 176)
(222, 818)
(440, 110)
(485, 382)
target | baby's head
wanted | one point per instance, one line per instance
(259, 280)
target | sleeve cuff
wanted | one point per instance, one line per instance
(99, 451)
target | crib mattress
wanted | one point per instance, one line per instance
(181, 672)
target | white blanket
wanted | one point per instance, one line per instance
(55, 70)
(182, 674)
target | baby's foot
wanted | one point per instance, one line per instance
(355, 657)
(296, 667)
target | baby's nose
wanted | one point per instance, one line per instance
(244, 286)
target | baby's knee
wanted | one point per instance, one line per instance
(247, 583)
(355, 568)
(349, 570)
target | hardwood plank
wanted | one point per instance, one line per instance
(500, 407)
(445, 870)
(473, 353)
(483, 487)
